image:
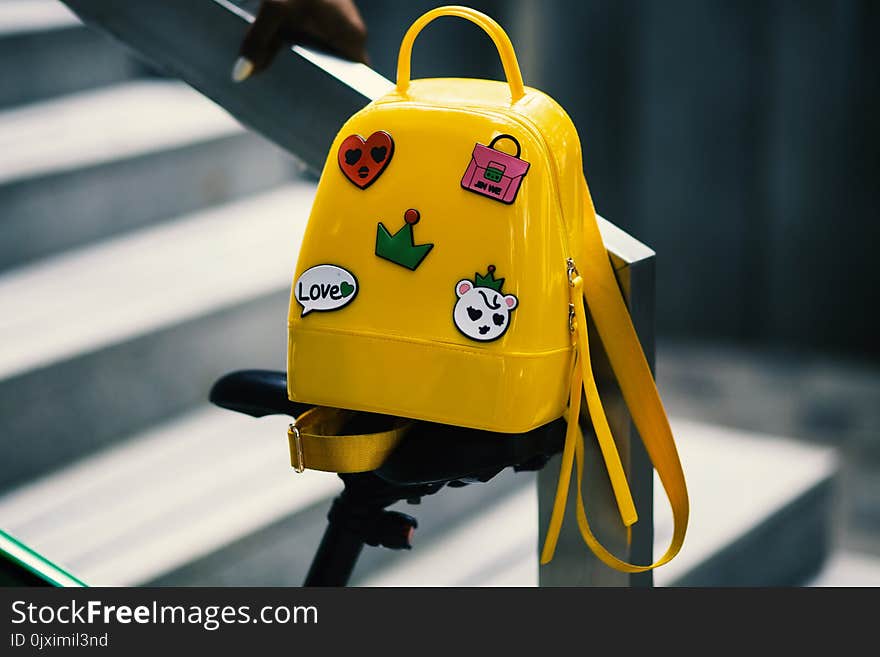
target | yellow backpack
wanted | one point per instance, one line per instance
(442, 277)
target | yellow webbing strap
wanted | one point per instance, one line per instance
(582, 375)
(639, 391)
(315, 442)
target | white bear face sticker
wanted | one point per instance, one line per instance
(482, 311)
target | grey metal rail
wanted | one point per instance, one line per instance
(299, 104)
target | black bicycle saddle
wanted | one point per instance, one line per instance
(429, 453)
(255, 392)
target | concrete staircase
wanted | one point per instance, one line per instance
(44, 38)
(147, 244)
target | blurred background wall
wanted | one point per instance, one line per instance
(740, 140)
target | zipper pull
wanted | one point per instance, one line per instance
(572, 271)
(572, 275)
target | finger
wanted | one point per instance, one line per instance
(264, 38)
(339, 25)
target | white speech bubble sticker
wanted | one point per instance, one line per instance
(325, 287)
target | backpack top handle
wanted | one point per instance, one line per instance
(493, 29)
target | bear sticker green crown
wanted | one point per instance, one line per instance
(489, 280)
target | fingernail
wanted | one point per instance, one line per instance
(242, 69)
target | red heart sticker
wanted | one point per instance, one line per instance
(362, 161)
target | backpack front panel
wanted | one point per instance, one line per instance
(450, 314)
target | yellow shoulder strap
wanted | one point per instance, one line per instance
(634, 377)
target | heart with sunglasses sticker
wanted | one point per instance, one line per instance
(364, 160)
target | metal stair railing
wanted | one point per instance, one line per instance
(299, 105)
(20, 565)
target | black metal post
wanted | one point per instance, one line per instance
(358, 517)
(338, 553)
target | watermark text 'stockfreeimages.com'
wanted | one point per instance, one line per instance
(96, 612)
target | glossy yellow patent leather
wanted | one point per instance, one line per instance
(433, 280)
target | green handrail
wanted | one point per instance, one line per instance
(22, 566)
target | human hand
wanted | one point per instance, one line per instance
(334, 25)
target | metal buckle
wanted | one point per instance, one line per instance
(572, 271)
(296, 448)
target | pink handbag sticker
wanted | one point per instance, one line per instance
(494, 173)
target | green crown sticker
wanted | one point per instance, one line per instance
(401, 248)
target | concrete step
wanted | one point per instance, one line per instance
(496, 546)
(165, 498)
(210, 499)
(98, 163)
(847, 568)
(761, 509)
(760, 515)
(280, 554)
(103, 341)
(46, 51)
